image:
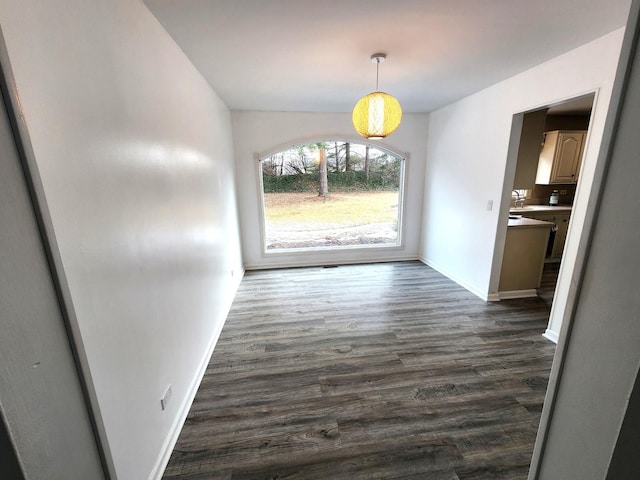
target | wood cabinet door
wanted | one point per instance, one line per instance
(568, 157)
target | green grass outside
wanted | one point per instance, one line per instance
(344, 209)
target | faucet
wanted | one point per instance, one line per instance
(519, 199)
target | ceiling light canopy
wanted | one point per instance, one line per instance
(377, 114)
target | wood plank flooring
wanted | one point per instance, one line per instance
(385, 371)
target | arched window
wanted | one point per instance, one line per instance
(331, 194)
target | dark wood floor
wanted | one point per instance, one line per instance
(549, 279)
(386, 371)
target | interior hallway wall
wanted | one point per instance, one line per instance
(136, 157)
(467, 165)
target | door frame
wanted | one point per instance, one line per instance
(629, 45)
(33, 183)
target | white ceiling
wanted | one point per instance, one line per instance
(313, 55)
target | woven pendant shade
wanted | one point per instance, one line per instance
(376, 115)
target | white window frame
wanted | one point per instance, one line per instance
(271, 253)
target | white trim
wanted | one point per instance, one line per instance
(266, 255)
(484, 296)
(289, 262)
(176, 427)
(262, 220)
(528, 293)
(551, 335)
(380, 145)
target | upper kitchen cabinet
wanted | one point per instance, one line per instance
(561, 157)
(529, 147)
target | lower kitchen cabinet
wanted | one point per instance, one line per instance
(558, 235)
(523, 258)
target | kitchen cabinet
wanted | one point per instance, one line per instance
(531, 137)
(561, 157)
(523, 258)
(558, 238)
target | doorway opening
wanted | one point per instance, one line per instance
(549, 145)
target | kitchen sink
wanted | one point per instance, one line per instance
(526, 207)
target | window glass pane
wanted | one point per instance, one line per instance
(331, 195)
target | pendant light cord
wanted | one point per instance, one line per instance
(377, 72)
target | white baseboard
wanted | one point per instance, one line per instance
(532, 292)
(551, 335)
(483, 295)
(301, 261)
(176, 427)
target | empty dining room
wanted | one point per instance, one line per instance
(156, 322)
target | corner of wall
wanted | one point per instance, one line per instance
(472, 288)
(176, 427)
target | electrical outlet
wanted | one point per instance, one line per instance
(165, 398)
(489, 205)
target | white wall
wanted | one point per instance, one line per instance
(257, 133)
(467, 165)
(136, 157)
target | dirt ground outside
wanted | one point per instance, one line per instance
(305, 220)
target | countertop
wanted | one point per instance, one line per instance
(540, 208)
(524, 222)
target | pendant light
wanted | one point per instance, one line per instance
(378, 114)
